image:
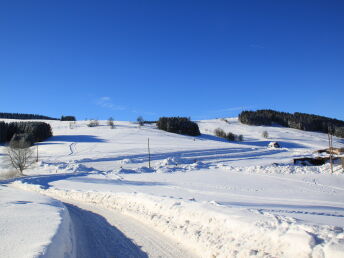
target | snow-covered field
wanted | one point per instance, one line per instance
(202, 196)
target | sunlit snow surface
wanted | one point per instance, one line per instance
(216, 197)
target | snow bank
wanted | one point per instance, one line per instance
(34, 225)
(283, 169)
(215, 231)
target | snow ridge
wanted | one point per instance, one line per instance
(213, 233)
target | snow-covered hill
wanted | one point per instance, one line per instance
(213, 197)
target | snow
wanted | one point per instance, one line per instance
(33, 225)
(213, 197)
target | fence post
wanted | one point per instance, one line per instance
(149, 158)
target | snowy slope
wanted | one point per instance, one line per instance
(212, 196)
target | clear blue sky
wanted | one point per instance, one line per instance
(204, 59)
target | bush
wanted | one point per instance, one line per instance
(220, 133)
(265, 134)
(179, 125)
(230, 136)
(93, 123)
(301, 121)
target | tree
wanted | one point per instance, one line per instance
(111, 123)
(20, 158)
(265, 134)
(140, 120)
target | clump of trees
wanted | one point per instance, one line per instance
(179, 125)
(68, 118)
(301, 121)
(36, 131)
(229, 136)
(25, 116)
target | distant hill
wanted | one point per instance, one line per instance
(25, 116)
(301, 121)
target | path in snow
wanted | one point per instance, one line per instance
(72, 148)
(104, 233)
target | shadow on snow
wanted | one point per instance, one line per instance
(252, 142)
(98, 238)
(73, 138)
(44, 180)
(228, 154)
(289, 208)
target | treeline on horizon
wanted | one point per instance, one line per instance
(34, 117)
(25, 116)
(301, 121)
(37, 131)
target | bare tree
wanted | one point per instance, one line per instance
(140, 120)
(111, 123)
(265, 134)
(20, 158)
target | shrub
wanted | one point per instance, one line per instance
(93, 123)
(220, 133)
(72, 124)
(180, 125)
(230, 136)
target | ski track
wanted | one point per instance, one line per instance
(72, 148)
(104, 233)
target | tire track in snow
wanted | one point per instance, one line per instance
(95, 237)
(104, 233)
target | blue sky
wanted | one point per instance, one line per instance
(204, 59)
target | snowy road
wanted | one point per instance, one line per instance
(103, 233)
